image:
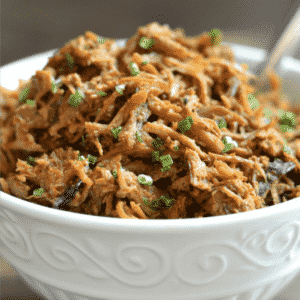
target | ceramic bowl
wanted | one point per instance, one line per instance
(66, 255)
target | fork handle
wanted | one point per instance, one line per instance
(287, 42)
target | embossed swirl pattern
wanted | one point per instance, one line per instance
(14, 237)
(143, 265)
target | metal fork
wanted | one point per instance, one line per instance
(287, 43)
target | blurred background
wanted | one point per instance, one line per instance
(33, 26)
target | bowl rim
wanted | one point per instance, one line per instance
(57, 216)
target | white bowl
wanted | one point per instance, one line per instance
(66, 255)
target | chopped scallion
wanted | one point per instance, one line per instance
(145, 179)
(38, 192)
(146, 43)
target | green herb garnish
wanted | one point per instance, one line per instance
(79, 156)
(222, 124)
(216, 37)
(157, 142)
(146, 201)
(102, 93)
(267, 112)
(76, 99)
(166, 161)
(161, 203)
(24, 94)
(115, 174)
(53, 87)
(120, 88)
(138, 137)
(38, 192)
(146, 43)
(70, 61)
(185, 124)
(101, 40)
(155, 205)
(134, 69)
(145, 180)
(116, 132)
(168, 202)
(228, 146)
(92, 159)
(287, 121)
(155, 155)
(30, 102)
(30, 160)
(253, 101)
